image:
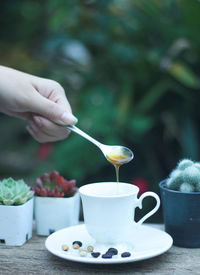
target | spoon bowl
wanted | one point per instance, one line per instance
(115, 154)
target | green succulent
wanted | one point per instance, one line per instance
(14, 192)
(186, 177)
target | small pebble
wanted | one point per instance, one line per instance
(126, 254)
(65, 247)
(95, 254)
(76, 246)
(83, 253)
(90, 248)
(113, 251)
(77, 242)
(107, 256)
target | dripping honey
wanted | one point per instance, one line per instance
(117, 160)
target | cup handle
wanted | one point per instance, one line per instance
(139, 204)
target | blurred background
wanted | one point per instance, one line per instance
(130, 69)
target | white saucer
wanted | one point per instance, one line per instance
(148, 242)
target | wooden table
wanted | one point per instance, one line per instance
(33, 258)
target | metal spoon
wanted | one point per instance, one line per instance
(116, 154)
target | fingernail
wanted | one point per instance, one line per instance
(29, 130)
(68, 117)
(34, 128)
(38, 121)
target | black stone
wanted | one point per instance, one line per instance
(113, 251)
(125, 254)
(95, 254)
(107, 256)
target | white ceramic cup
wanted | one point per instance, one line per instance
(109, 210)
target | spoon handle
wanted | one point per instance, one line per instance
(83, 134)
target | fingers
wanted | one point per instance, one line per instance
(61, 97)
(52, 111)
(50, 128)
(44, 130)
(50, 102)
(38, 136)
(24, 116)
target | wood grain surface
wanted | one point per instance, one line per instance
(33, 258)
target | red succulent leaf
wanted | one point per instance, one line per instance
(43, 192)
(65, 187)
(38, 181)
(72, 191)
(37, 191)
(52, 193)
(57, 193)
(72, 183)
(62, 194)
(39, 186)
(54, 185)
(54, 175)
(60, 180)
(45, 178)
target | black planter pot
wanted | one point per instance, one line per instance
(181, 213)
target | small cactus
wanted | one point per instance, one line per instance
(14, 192)
(186, 177)
(185, 163)
(175, 179)
(186, 187)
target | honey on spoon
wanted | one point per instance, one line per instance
(118, 155)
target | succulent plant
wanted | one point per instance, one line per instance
(54, 185)
(14, 192)
(185, 177)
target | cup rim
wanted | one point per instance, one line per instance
(83, 192)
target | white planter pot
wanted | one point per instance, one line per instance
(52, 214)
(16, 223)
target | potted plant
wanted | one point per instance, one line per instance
(16, 212)
(57, 203)
(180, 195)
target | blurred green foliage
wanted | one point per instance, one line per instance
(131, 73)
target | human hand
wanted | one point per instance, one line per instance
(39, 100)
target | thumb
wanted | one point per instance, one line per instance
(52, 111)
